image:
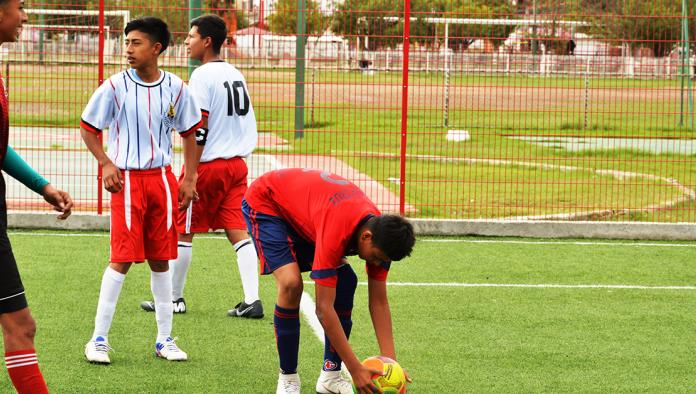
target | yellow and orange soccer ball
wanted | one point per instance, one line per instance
(394, 379)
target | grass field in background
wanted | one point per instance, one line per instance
(357, 118)
(450, 338)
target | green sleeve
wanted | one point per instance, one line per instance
(18, 169)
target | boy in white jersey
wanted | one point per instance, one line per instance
(142, 107)
(229, 134)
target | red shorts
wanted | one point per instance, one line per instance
(142, 217)
(221, 186)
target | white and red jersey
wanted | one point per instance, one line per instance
(221, 92)
(140, 117)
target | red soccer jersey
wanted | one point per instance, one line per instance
(323, 208)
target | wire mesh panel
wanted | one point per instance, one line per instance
(555, 110)
(569, 110)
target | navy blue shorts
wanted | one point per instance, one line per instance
(276, 242)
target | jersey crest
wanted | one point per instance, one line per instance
(168, 118)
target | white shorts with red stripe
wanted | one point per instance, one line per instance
(143, 213)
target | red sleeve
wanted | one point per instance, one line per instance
(377, 272)
(331, 243)
(192, 129)
(328, 282)
(89, 127)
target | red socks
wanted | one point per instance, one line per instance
(23, 368)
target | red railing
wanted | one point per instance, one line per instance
(490, 110)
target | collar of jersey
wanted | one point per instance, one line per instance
(135, 78)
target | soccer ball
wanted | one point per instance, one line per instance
(394, 379)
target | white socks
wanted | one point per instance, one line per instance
(179, 269)
(112, 283)
(247, 262)
(161, 284)
(248, 269)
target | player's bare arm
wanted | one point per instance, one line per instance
(60, 200)
(381, 318)
(111, 175)
(187, 188)
(362, 376)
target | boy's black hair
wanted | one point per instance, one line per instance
(155, 28)
(393, 235)
(212, 26)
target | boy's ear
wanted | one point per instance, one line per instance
(158, 47)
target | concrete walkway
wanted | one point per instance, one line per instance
(60, 155)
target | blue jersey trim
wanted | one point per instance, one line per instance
(323, 273)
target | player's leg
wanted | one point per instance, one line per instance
(286, 321)
(126, 244)
(97, 349)
(18, 327)
(247, 262)
(330, 379)
(270, 236)
(160, 238)
(194, 219)
(179, 269)
(161, 285)
(231, 179)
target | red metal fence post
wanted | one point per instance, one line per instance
(100, 192)
(404, 107)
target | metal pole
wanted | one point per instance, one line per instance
(300, 68)
(404, 107)
(683, 71)
(100, 80)
(42, 22)
(535, 43)
(687, 54)
(194, 12)
(587, 91)
(311, 109)
(447, 76)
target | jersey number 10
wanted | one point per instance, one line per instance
(233, 104)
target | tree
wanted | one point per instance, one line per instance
(497, 34)
(381, 20)
(284, 19)
(376, 19)
(655, 24)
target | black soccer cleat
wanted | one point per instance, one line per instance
(148, 306)
(179, 306)
(249, 311)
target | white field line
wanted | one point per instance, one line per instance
(579, 243)
(307, 307)
(470, 241)
(530, 285)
